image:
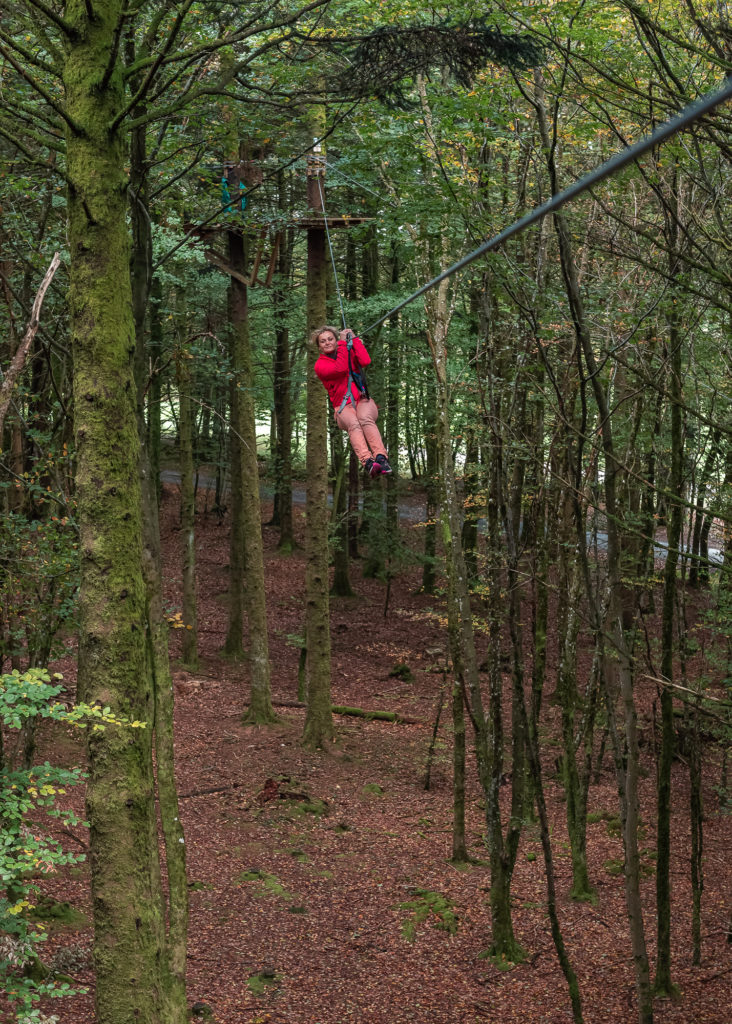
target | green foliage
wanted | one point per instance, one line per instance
(269, 885)
(262, 982)
(384, 59)
(25, 850)
(39, 564)
(429, 906)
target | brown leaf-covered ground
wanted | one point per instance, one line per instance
(300, 863)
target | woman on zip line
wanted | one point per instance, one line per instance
(339, 365)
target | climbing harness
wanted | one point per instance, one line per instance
(355, 377)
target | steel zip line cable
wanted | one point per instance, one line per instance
(330, 247)
(687, 116)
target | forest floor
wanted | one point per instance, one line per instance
(305, 869)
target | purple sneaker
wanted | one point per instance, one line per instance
(372, 468)
(384, 464)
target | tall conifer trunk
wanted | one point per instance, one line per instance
(113, 659)
(318, 718)
(157, 625)
(627, 762)
(233, 645)
(184, 380)
(662, 982)
(260, 702)
(283, 394)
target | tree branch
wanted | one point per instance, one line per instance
(41, 91)
(19, 358)
(42, 65)
(139, 96)
(68, 30)
(32, 159)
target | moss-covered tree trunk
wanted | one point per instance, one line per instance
(157, 625)
(339, 514)
(283, 396)
(233, 645)
(318, 728)
(627, 762)
(154, 419)
(391, 413)
(260, 701)
(488, 737)
(459, 847)
(699, 569)
(662, 982)
(373, 524)
(184, 380)
(431, 495)
(114, 667)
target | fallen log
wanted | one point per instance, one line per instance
(342, 709)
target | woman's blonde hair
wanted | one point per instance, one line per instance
(319, 330)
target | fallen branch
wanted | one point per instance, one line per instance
(340, 709)
(21, 354)
(213, 789)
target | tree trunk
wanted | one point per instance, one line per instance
(339, 516)
(283, 392)
(154, 423)
(233, 645)
(373, 523)
(318, 728)
(699, 569)
(431, 498)
(627, 769)
(114, 668)
(184, 378)
(260, 709)
(662, 984)
(157, 624)
(459, 848)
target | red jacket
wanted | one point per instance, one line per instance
(333, 370)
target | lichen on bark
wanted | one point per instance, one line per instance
(113, 661)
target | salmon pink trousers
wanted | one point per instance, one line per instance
(360, 422)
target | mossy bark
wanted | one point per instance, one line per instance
(373, 522)
(184, 379)
(318, 728)
(234, 645)
(575, 791)
(627, 761)
(154, 419)
(431, 495)
(174, 841)
(282, 382)
(114, 668)
(339, 513)
(260, 699)
(662, 981)
(459, 847)
(260, 696)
